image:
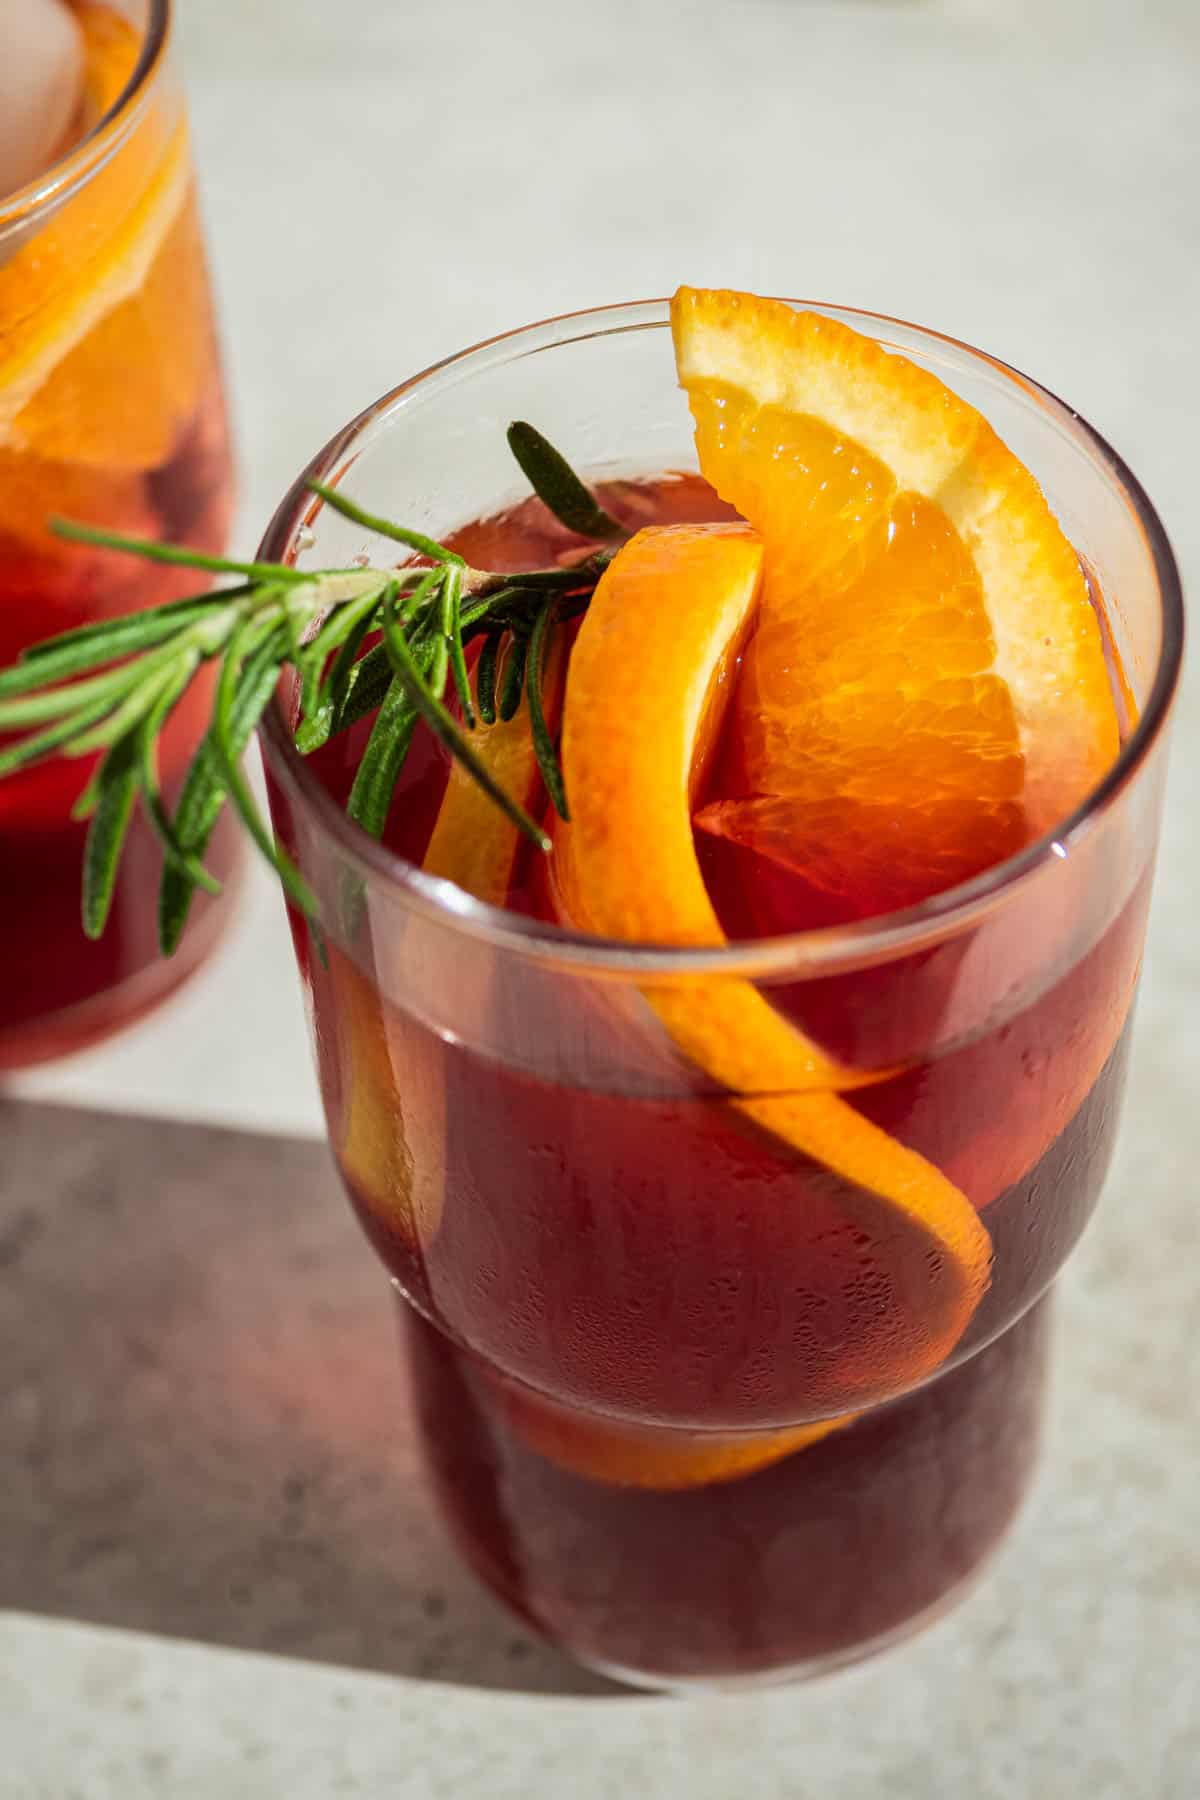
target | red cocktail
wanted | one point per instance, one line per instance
(111, 413)
(719, 1377)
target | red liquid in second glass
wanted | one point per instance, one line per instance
(619, 1258)
(61, 991)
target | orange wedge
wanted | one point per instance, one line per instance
(105, 330)
(927, 688)
(671, 612)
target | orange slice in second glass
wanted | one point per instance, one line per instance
(106, 336)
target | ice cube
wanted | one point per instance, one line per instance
(41, 86)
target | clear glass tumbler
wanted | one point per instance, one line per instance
(111, 413)
(696, 1407)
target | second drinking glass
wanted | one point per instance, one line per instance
(111, 414)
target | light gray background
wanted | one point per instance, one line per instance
(385, 183)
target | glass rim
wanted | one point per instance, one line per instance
(825, 950)
(86, 157)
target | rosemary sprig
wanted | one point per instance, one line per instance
(109, 688)
(555, 481)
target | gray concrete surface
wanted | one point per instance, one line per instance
(385, 183)
(205, 1437)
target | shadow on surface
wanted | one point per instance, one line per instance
(204, 1431)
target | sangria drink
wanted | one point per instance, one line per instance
(111, 413)
(723, 1159)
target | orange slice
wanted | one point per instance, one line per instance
(927, 689)
(387, 1125)
(105, 329)
(671, 612)
(627, 1455)
(473, 843)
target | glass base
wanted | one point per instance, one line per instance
(803, 1566)
(647, 1681)
(812, 1670)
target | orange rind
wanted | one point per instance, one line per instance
(647, 1456)
(672, 611)
(387, 1128)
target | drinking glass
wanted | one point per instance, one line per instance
(694, 1406)
(111, 413)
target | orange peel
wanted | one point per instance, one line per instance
(105, 331)
(647, 1456)
(676, 604)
